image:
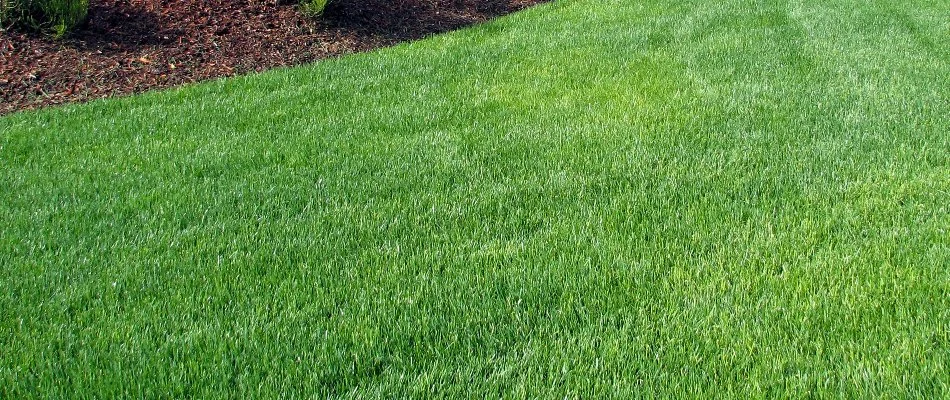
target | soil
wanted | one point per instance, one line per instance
(130, 46)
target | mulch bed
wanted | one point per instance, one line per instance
(130, 46)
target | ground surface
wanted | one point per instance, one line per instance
(586, 199)
(135, 45)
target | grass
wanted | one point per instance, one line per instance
(586, 199)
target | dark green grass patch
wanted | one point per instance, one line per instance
(587, 199)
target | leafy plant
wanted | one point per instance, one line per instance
(62, 16)
(314, 7)
(57, 17)
(6, 12)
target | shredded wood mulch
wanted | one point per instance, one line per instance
(130, 46)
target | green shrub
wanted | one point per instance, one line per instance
(312, 7)
(56, 17)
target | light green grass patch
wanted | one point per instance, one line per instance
(586, 199)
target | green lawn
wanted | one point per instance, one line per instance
(591, 198)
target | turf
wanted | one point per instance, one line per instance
(591, 198)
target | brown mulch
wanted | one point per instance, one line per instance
(130, 46)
